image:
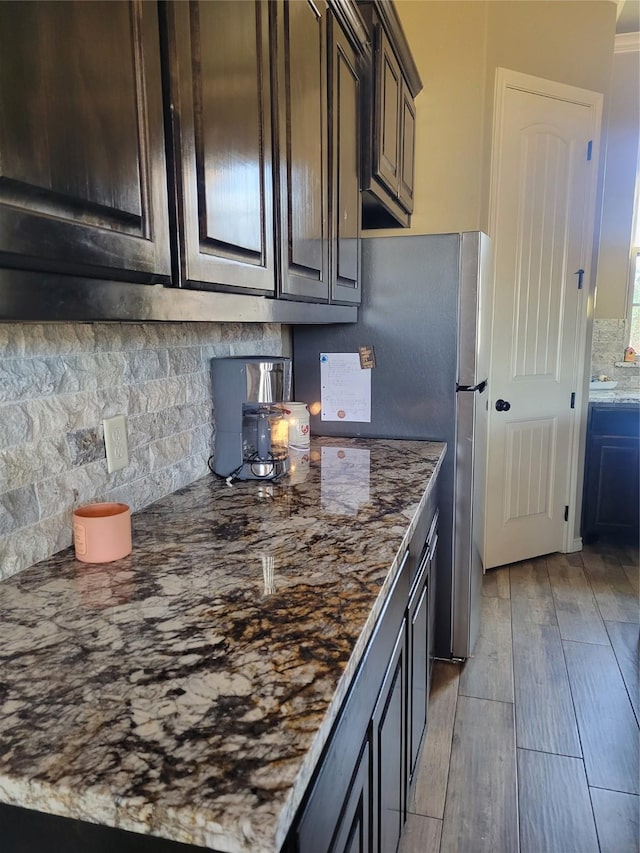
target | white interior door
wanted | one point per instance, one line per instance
(544, 172)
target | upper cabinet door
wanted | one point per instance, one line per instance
(82, 157)
(389, 132)
(346, 203)
(407, 137)
(303, 148)
(388, 104)
(221, 121)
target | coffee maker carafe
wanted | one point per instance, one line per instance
(251, 441)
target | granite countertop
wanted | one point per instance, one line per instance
(187, 690)
(614, 395)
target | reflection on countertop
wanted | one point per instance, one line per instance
(187, 690)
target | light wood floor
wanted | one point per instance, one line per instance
(532, 744)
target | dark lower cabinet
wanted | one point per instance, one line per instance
(389, 736)
(433, 580)
(368, 763)
(371, 720)
(611, 497)
(353, 832)
(420, 633)
(418, 625)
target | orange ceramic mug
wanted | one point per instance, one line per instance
(102, 532)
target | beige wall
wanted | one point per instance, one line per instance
(568, 41)
(617, 207)
(448, 41)
(457, 45)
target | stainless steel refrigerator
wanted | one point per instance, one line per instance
(425, 313)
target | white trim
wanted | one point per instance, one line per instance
(507, 79)
(627, 43)
(575, 545)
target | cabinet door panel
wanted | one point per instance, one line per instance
(611, 497)
(618, 487)
(353, 831)
(407, 135)
(433, 580)
(303, 155)
(344, 110)
(386, 149)
(82, 162)
(221, 91)
(418, 669)
(389, 734)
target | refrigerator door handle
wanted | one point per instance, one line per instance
(480, 387)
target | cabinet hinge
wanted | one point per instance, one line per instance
(573, 399)
(590, 149)
(566, 513)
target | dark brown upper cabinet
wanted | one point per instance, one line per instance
(304, 185)
(319, 83)
(264, 117)
(345, 200)
(82, 160)
(388, 148)
(210, 149)
(222, 153)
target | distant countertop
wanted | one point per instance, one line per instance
(187, 690)
(615, 395)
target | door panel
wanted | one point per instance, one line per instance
(529, 450)
(547, 167)
(541, 239)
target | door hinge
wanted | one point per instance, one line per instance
(580, 274)
(573, 399)
(566, 513)
(590, 149)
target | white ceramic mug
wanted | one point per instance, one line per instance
(297, 415)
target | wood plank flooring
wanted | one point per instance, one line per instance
(533, 743)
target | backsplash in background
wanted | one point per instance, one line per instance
(610, 337)
(58, 382)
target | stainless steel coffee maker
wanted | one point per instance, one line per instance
(251, 440)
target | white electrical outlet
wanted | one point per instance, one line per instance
(115, 442)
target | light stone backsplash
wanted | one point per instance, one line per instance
(610, 337)
(58, 382)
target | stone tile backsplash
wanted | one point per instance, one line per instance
(610, 337)
(58, 382)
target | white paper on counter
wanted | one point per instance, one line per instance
(345, 388)
(345, 479)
